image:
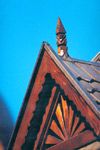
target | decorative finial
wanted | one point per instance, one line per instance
(61, 39)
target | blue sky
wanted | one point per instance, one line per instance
(25, 24)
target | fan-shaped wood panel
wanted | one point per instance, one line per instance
(65, 124)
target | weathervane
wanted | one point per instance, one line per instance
(61, 39)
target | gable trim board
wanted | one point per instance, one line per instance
(26, 98)
(65, 70)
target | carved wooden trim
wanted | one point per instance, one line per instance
(73, 94)
(75, 142)
(55, 119)
(65, 114)
(36, 122)
(66, 123)
(45, 117)
(29, 103)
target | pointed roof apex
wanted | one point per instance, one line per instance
(60, 27)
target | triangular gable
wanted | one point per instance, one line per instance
(49, 90)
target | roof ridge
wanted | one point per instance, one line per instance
(82, 61)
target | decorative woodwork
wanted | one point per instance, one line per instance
(74, 142)
(54, 116)
(73, 95)
(61, 39)
(60, 27)
(58, 118)
(53, 109)
(66, 124)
